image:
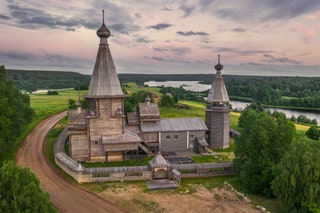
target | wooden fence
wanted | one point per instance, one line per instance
(100, 174)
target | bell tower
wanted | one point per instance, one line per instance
(218, 112)
(107, 138)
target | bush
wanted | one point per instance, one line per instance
(52, 92)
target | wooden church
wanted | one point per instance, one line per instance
(101, 133)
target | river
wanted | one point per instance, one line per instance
(197, 87)
(289, 113)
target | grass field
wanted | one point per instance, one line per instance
(132, 87)
(46, 105)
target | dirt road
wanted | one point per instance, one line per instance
(65, 196)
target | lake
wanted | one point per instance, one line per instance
(197, 87)
(289, 113)
(187, 85)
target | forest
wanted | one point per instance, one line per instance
(19, 188)
(291, 92)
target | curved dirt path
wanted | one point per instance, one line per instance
(65, 196)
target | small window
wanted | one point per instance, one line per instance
(168, 137)
(176, 137)
(192, 136)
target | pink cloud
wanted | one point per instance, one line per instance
(307, 32)
(313, 16)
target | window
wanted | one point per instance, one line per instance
(168, 137)
(192, 136)
(176, 137)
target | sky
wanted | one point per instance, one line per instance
(270, 37)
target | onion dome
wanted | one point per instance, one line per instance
(219, 66)
(103, 31)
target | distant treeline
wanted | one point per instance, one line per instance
(34, 80)
(277, 91)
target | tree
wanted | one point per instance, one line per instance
(52, 92)
(136, 98)
(166, 101)
(297, 177)
(140, 97)
(15, 114)
(262, 142)
(20, 191)
(313, 133)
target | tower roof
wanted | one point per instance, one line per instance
(218, 94)
(104, 80)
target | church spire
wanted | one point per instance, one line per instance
(104, 79)
(218, 94)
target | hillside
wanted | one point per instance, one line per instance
(33, 80)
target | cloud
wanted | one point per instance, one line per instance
(114, 13)
(287, 9)
(4, 17)
(18, 59)
(282, 60)
(123, 28)
(243, 51)
(143, 39)
(137, 15)
(187, 9)
(178, 51)
(313, 16)
(160, 26)
(34, 18)
(307, 32)
(16, 55)
(253, 11)
(159, 49)
(28, 16)
(167, 9)
(206, 3)
(239, 30)
(191, 33)
(161, 59)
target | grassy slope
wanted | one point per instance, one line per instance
(46, 105)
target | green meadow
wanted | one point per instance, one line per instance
(45, 105)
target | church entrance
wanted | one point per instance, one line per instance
(160, 174)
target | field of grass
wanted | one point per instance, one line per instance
(46, 105)
(132, 87)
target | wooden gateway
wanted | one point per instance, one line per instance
(100, 133)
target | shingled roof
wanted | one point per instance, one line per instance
(104, 80)
(218, 94)
(158, 161)
(174, 124)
